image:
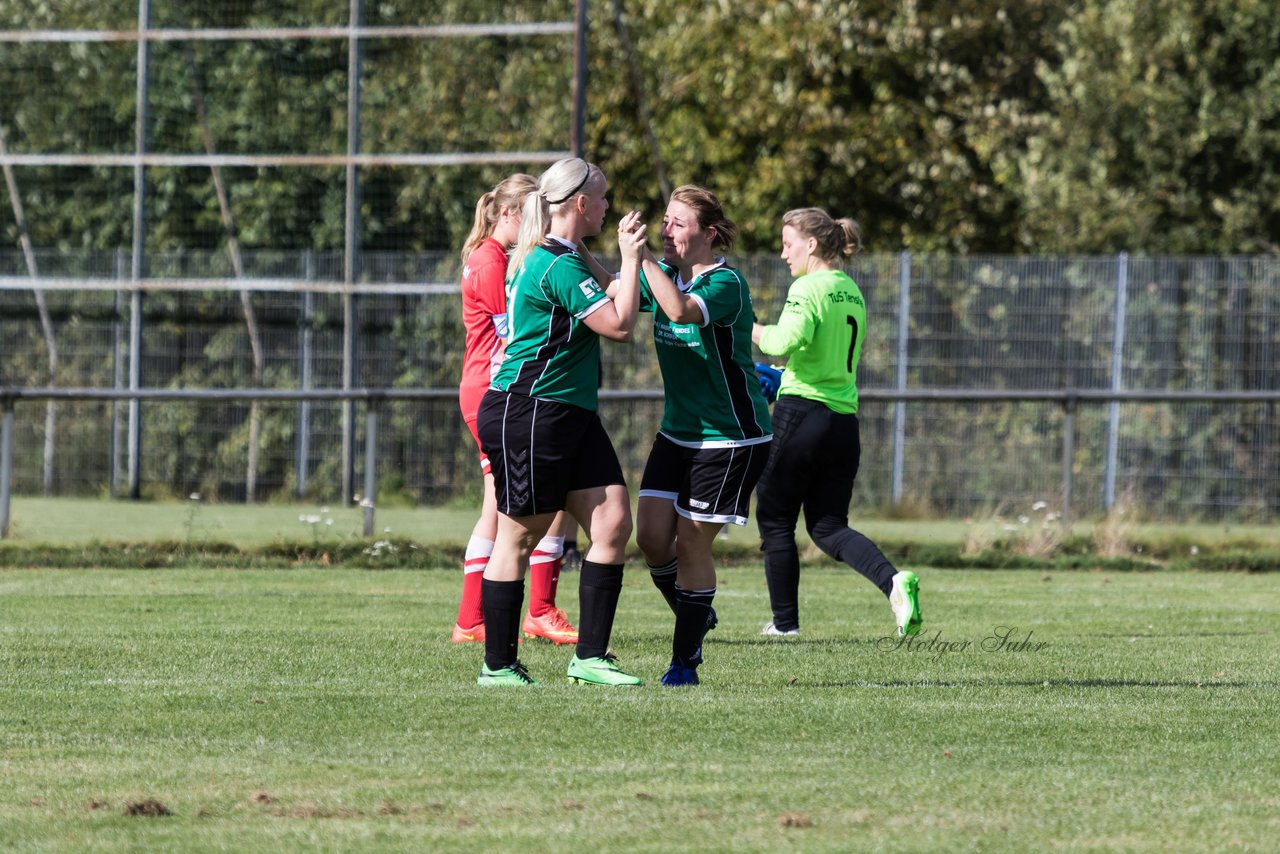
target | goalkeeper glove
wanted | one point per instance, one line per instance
(770, 379)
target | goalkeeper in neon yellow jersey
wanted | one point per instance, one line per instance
(814, 456)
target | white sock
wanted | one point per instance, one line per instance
(548, 550)
(478, 552)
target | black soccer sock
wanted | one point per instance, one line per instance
(664, 578)
(855, 549)
(502, 602)
(782, 574)
(692, 608)
(599, 586)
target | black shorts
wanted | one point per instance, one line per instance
(812, 466)
(540, 450)
(706, 484)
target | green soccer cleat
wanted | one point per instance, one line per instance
(599, 671)
(516, 674)
(904, 599)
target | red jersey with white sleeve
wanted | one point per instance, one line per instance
(484, 317)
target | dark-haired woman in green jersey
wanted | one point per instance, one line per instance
(714, 438)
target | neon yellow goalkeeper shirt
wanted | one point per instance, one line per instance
(820, 332)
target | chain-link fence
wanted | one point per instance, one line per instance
(998, 325)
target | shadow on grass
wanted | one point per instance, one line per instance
(1034, 683)
(803, 641)
(1180, 634)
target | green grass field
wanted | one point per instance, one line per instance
(68, 521)
(316, 709)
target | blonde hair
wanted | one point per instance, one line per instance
(563, 181)
(837, 238)
(710, 213)
(510, 193)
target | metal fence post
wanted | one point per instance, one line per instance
(304, 372)
(349, 352)
(900, 408)
(6, 462)
(134, 440)
(578, 132)
(138, 265)
(370, 465)
(1068, 456)
(351, 252)
(117, 381)
(1117, 383)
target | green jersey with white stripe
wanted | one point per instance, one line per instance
(713, 398)
(821, 330)
(551, 354)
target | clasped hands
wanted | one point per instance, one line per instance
(632, 237)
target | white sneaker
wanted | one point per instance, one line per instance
(904, 599)
(772, 631)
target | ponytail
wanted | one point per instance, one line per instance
(837, 239)
(510, 193)
(481, 226)
(852, 236)
(535, 219)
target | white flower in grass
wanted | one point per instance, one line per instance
(328, 521)
(195, 496)
(1024, 519)
(1039, 505)
(324, 509)
(378, 547)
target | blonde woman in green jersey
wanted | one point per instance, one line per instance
(816, 447)
(714, 438)
(538, 423)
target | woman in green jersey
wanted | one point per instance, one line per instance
(538, 424)
(714, 438)
(816, 447)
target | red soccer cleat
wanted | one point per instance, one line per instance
(553, 625)
(475, 634)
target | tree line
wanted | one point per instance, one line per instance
(1022, 127)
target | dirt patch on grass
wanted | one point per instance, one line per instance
(149, 808)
